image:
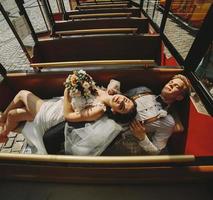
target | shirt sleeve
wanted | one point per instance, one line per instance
(148, 146)
(163, 130)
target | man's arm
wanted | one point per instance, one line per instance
(163, 130)
(139, 132)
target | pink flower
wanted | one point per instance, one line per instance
(74, 79)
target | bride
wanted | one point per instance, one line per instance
(47, 113)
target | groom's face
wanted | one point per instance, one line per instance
(121, 104)
(173, 90)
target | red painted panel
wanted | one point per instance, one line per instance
(200, 134)
(167, 61)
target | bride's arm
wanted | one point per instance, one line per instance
(67, 105)
(88, 114)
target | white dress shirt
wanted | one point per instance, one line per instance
(159, 131)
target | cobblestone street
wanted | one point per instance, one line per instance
(12, 57)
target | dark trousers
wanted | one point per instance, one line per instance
(54, 137)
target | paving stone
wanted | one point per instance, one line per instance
(9, 143)
(20, 138)
(17, 146)
(1, 145)
(11, 134)
(7, 150)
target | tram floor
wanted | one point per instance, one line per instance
(10, 190)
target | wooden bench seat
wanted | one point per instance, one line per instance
(95, 2)
(99, 6)
(50, 84)
(100, 15)
(141, 24)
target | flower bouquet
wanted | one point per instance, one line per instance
(81, 88)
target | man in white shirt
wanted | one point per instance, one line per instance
(152, 116)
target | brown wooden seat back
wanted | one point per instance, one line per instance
(141, 24)
(110, 47)
(135, 12)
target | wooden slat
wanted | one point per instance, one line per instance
(102, 23)
(101, 6)
(92, 63)
(80, 16)
(103, 2)
(99, 160)
(93, 31)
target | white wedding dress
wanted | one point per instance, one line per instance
(50, 114)
(99, 133)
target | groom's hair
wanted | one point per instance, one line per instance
(123, 118)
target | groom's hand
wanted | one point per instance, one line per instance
(138, 129)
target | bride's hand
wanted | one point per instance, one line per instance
(113, 87)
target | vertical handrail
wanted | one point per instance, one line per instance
(58, 5)
(4, 13)
(141, 4)
(49, 13)
(42, 13)
(155, 5)
(66, 16)
(165, 15)
(20, 4)
(147, 6)
(201, 43)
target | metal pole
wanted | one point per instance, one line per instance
(39, 5)
(155, 5)
(201, 43)
(165, 15)
(49, 14)
(4, 13)
(147, 6)
(141, 4)
(24, 13)
(59, 6)
(66, 17)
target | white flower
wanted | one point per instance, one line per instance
(81, 72)
(86, 85)
(162, 113)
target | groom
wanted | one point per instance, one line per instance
(153, 125)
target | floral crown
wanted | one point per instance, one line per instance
(79, 83)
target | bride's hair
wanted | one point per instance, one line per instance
(123, 118)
